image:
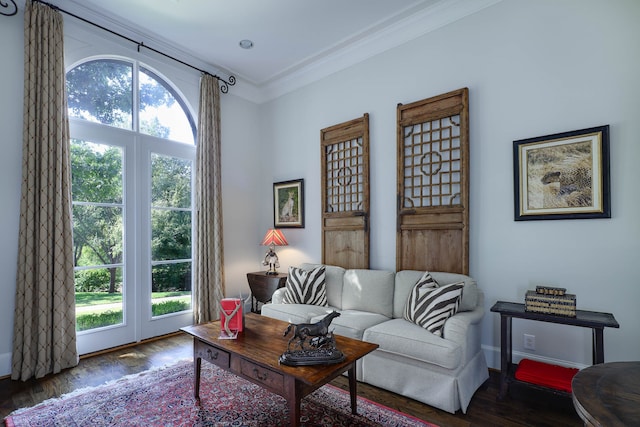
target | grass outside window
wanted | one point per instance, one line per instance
(107, 309)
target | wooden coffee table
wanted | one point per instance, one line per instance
(254, 356)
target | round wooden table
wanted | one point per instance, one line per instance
(608, 394)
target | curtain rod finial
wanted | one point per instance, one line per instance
(8, 9)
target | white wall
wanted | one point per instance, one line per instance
(532, 69)
(244, 160)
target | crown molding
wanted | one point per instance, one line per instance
(425, 21)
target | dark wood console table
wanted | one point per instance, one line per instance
(263, 286)
(508, 310)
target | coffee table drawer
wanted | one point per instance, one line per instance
(211, 354)
(270, 379)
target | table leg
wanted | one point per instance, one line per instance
(197, 363)
(294, 410)
(293, 395)
(353, 389)
(598, 346)
(505, 354)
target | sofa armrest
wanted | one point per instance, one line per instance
(464, 329)
(278, 296)
(456, 327)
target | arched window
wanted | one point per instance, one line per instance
(102, 91)
(133, 150)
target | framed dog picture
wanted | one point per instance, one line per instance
(288, 204)
(563, 176)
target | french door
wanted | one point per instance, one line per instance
(132, 235)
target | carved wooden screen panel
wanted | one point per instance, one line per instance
(345, 193)
(433, 184)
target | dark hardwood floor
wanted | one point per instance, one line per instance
(519, 409)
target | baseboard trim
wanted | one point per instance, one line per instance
(5, 366)
(492, 354)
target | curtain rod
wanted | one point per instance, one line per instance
(224, 84)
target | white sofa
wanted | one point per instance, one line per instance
(443, 371)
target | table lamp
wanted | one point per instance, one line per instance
(273, 238)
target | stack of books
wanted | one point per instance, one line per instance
(549, 300)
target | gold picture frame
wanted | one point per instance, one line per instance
(563, 176)
(288, 204)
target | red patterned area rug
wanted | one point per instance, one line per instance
(164, 397)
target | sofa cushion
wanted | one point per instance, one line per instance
(401, 337)
(306, 287)
(368, 290)
(430, 305)
(353, 323)
(295, 313)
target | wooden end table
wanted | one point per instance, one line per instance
(263, 286)
(254, 356)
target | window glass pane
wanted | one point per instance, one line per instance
(96, 172)
(162, 112)
(171, 288)
(101, 91)
(170, 234)
(97, 235)
(98, 298)
(97, 189)
(170, 182)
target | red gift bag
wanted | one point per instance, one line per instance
(231, 315)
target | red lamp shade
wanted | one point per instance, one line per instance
(274, 237)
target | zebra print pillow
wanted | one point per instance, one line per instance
(427, 281)
(430, 306)
(306, 287)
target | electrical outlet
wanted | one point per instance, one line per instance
(529, 342)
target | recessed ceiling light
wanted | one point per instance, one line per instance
(246, 44)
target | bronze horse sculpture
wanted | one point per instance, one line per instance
(303, 331)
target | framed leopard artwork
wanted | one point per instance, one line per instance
(563, 176)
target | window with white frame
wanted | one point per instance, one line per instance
(132, 152)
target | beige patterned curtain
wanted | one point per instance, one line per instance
(208, 261)
(44, 330)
